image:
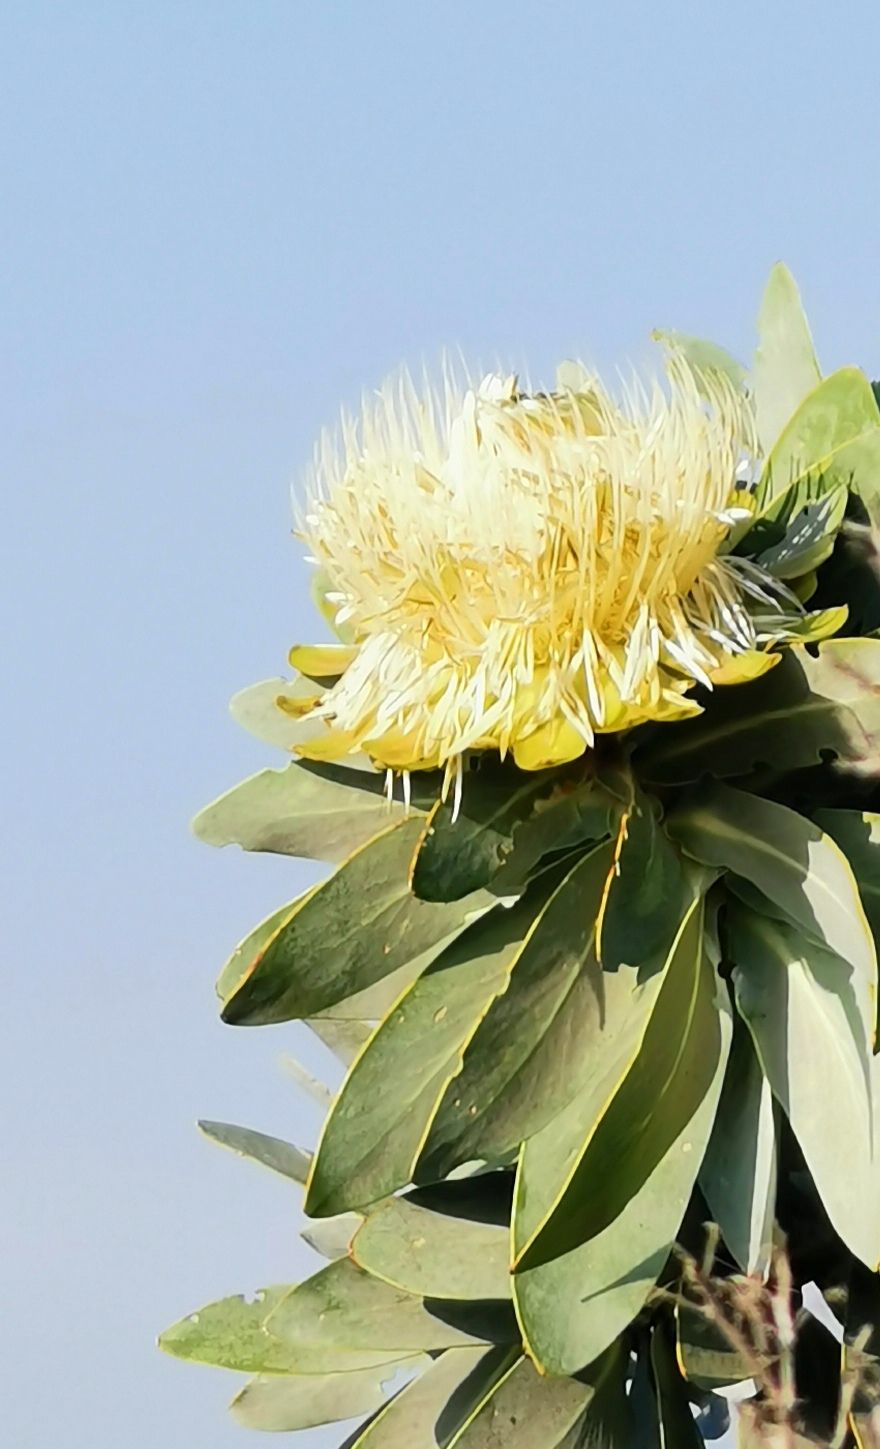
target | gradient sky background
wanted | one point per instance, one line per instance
(221, 220)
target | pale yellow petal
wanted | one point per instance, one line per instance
(335, 745)
(740, 668)
(298, 707)
(322, 661)
(554, 743)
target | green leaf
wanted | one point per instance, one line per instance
(508, 821)
(343, 1309)
(678, 1429)
(573, 1306)
(365, 1009)
(332, 1237)
(857, 832)
(256, 710)
(272, 1152)
(282, 1403)
(233, 1333)
(430, 1411)
(345, 1039)
(316, 811)
(832, 438)
(808, 538)
(307, 1082)
(347, 934)
(703, 357)
(738, 1175)
(373, 1136)
(230, 1334)
(799, 1002)
(254, 943)
(643, 908)
(789, 859)
(434, 1253)
(564, 1026)
(745, 891)
(786, 369)
(579, 1175)
(526, 1409)
(535, 1046)
(804, 708)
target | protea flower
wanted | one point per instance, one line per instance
(621, 982)
(521, 573)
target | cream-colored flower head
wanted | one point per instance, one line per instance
(517, 573)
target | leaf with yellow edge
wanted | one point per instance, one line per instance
(641, 906)
(578, 1175)
(235, 1333)
(238, 963)
(530, 1410)
(652, 1138)
(738, 1175)
(433, 1243)
(434, 1409)
(802, 870)
(562, 1022)
(801, 1004)
(343, 1309)
(505, 823)
(343, 936)
(372, 1137)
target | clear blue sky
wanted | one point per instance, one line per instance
(220, 220)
